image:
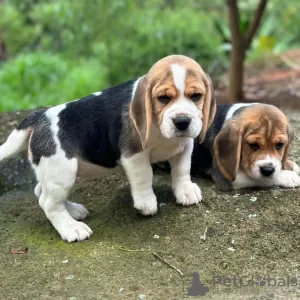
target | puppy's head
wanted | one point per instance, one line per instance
(176, 96)
(255, 141)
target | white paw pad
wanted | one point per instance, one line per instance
(146, 204)
(296, 168)
(289, 179)
(187, 193)
(77, 211)
(38, 190)
(73, 231)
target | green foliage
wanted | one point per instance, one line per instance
(43, 79)
(17, 34)
(278, 31)
(172, 32)
(100, 43)
(60, 50)
(280, 27)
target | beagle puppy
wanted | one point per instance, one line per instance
(247, 146)
(140, 122)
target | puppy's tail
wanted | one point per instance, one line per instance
(15, 143)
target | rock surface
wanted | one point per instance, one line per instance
(117, 262)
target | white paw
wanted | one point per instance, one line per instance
(296, 168)
(146, 204)
(187, 193)
(289, 179)
(77, 211)
(38, 190)
(72, 231)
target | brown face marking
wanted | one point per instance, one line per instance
(162, 83)
(266, 133)
(159, 82)
(249, 136)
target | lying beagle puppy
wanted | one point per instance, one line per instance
(154, 118)
(247, 146)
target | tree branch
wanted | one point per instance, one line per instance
(234, 22)
(255, 22)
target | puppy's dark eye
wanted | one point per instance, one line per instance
(254, 146)
(196, 97)
(164, 99)
(279, 146)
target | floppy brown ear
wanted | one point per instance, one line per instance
(287, 164)
(209, 108)
(227, 149)
(141, 110)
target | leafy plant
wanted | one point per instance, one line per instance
(43, 79)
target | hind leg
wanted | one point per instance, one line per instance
(57, 176)
(76, 211)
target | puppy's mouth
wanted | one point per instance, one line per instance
(185, 133)
(179, 134)
(182, 134)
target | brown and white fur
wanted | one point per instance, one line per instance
(247, 146)
(140, 122)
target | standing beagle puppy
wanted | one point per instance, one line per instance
(247, 146)
(154, 118)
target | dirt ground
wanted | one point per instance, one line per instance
(248, 233)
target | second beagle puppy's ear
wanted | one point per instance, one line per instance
(227, 149)
(287, 164)
(209, 107)
(141, 109)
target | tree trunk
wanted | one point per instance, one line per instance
(3, 52)
(236, 74)
(240, 43)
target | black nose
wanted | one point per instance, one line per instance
(182, 122)
(267, 171)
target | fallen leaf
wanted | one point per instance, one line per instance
(19, 251)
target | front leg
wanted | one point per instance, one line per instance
(186, 192)
(292, 166)
(287, 179)
(283, 178)
(140, 176)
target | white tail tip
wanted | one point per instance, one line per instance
(15, 143)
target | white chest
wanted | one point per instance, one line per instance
(166, 150)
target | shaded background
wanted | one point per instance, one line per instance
(54, 51)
